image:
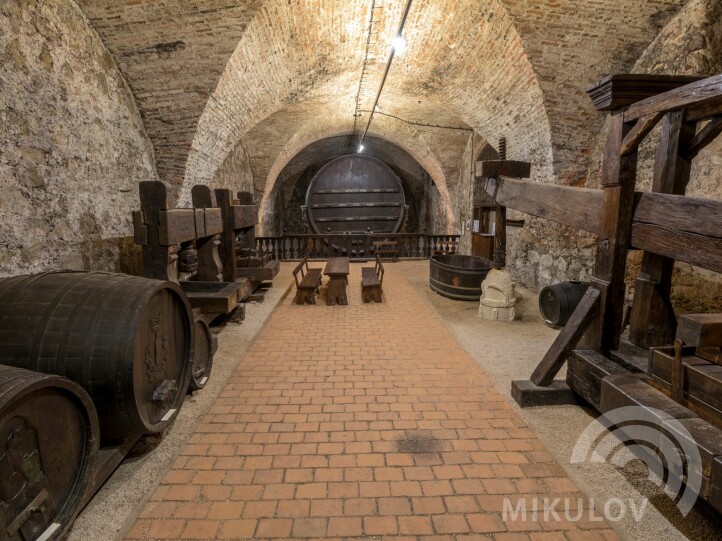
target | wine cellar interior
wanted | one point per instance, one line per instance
(360, 269)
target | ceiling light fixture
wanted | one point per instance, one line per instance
(399, 45)
(360, 149)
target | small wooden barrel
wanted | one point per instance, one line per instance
(48, 449)
(204, 349)
(126, 340)
(558, 302)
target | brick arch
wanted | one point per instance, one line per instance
(404, 137)
(505, 67)
(449, 75)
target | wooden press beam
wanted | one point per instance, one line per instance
(614, 92)
(503, 168)
(698, 250)
(680, 213)
(681, 228)
(575, 207)
(704, 95)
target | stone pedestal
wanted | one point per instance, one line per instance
(498, 299)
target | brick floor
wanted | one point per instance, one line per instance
(359, 421)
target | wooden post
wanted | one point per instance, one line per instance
(619, 174)
(247, 240)
(210, 268)
(227, 249)
(653, 322)
(159, 264)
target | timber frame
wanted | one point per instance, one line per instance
(606, 370)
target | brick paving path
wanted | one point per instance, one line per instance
(359, 421)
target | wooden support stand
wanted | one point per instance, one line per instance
(681, 376)
(527, 394)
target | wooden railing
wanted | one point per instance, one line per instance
(360, 246)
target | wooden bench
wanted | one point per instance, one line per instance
(307, 287)
(372, 279)
(388, 248)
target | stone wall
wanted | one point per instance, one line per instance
(691, 44)
(543, 253)
(235, 173)
(72, 144)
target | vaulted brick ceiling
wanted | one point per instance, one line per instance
(276, 75)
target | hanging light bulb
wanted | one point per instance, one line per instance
(399, 45)
(360, 149)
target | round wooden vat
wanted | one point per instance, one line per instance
(126, 340)
(48, 449)
(355, 194)
(458, 277)
(558, 302)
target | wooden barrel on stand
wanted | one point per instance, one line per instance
(48, 449)
(558, 302)
(128, 341)
(204, 349)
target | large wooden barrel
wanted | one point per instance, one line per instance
(558, 302)
(48, 450)
(126, 340)
(355, 194)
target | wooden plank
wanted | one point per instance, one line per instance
(640, 130)
(680, 213)
(622, 391)
(576, 207)
(176, 226)
(213, 297)
(705, 136)
(617, 91)
(698, 250)
(356, 191)
(503, 168)
(567, 340)
(354, 205)
(698, 93)
(244, 216)
(528, 395)
(213, 221)
(585, 372)
(700, 330)
(705, 110)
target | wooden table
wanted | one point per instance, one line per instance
(337, 271)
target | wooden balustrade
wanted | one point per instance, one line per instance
(355, 246)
